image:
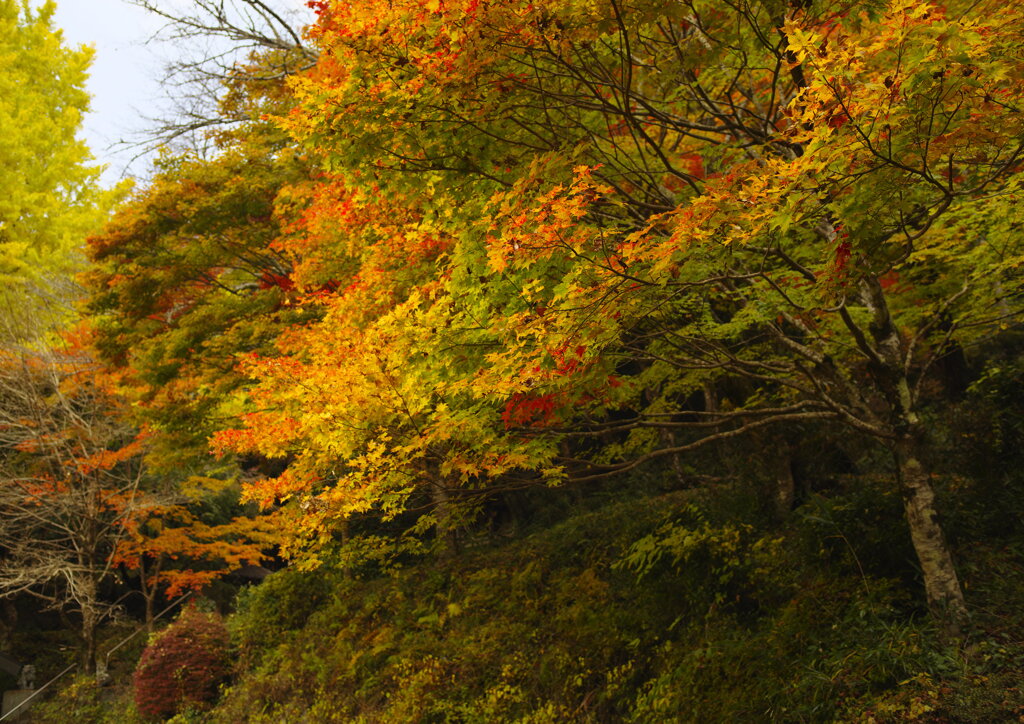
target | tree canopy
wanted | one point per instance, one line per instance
(517, 244)
(49, 190)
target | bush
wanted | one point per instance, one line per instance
(83, 701)
(183, 666)
(282, 603)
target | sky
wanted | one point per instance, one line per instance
(124, 79)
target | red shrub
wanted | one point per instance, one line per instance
(183, 665)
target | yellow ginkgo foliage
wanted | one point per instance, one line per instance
(49, 193)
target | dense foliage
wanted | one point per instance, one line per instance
(748, 624)
(554, 242)
(49, 188)
(50, 197)
(183, 666)
(587, 361)
(582, 619)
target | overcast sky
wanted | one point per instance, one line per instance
(125, 75)
(124, 79)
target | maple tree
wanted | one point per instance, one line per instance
(184, 281)
(664, 226)
(79, 505)
(173, 550)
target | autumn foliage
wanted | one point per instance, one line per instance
(183, 666)
(568, 360)
(515, 245)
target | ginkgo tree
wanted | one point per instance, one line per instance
(50, 197)
(704, 220)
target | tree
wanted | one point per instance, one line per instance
(49, 197)
(70, 472)
(173, 550)
(224, 45)
(185, 280)
(662, 226)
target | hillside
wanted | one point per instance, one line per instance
(656, 610)
(522, 361)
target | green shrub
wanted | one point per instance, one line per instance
(282, 603)
(674, 608)
(82, 701)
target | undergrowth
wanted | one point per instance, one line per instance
(665, 609)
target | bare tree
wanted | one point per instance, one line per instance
(220, 43)
(69, 480)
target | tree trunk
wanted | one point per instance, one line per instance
(785, 486)
(9, 618)
(149, 610)
(87, 652)
(446, 532)
(945, 597)
(668, 440)
(148, 587)
(942, 587)
(87, 598)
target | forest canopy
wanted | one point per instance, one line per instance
(439, 259)
(551, 243)
(538, 244)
